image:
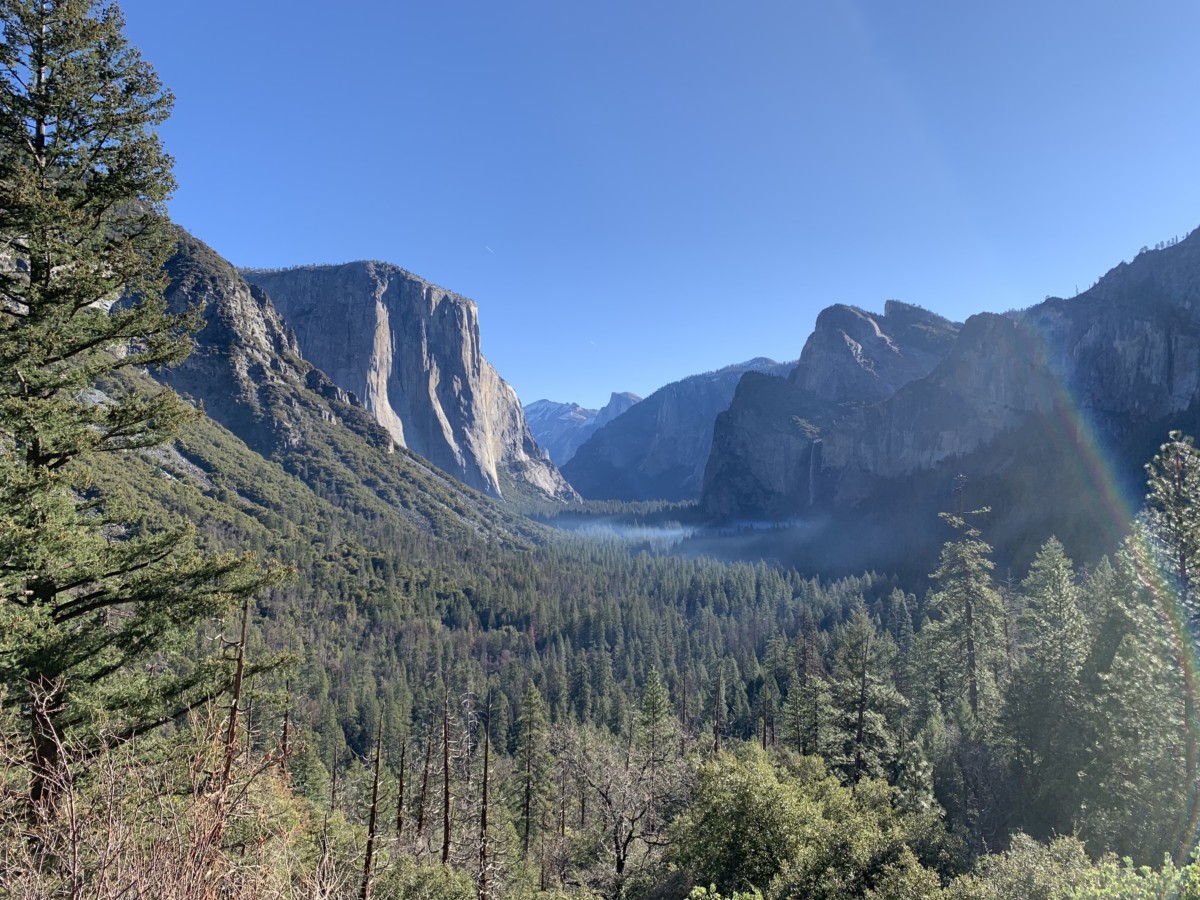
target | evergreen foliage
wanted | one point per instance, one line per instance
(532, 763)
(966, 630)
(89, 593)
(652, 723)
(869, 703)
(1045, 716)
(1173, 514)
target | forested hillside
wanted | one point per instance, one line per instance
(291, 660)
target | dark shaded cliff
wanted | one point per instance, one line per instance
(657, 449)
(1050, 413)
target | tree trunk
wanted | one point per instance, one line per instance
(421, 800)
(372, 818)
(235, 702)
(972, 663)
(400, 793)
(446, 780)
(285, 748)
(484, 888)
(46, 703)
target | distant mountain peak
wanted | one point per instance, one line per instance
(751, 365)
(657, 449)
(560, 428)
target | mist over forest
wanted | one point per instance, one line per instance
(295, 603)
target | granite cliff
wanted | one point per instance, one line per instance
(657, 449)
(247, 370)
(245, 356)
(1017, 403)
(779, 434)
(410, 350)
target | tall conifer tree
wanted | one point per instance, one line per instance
(967, 633)
(1044, 708)
(1173, 515)
(532, 762)
(86, 594)
(867, 702)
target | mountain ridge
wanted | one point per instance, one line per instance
(657, 449)
(561, 428)
(1018, 404)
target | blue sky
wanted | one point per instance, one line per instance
(638, 191)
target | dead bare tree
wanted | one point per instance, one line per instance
(484, 886)
(634, 788)
(424, 796)
(400, 792)
(446, 778)
(130, 824)
(372, 818)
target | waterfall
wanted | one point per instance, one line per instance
(814, 466)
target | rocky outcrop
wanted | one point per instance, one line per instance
(854, 356)
(410, 350)
(1122, 357)
(657, 449)
(243, 351)
(617, 404)
(773, 445)
(1128, 349)
(247, 371)
(561, 428)
(1049, 412)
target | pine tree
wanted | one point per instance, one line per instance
(532, 762)
(967, 634)
(865, 698)
(902, 633)
(1138, 787)
(1044, 708)
(86, 591)
(809, 717)
(657, 725)
(1173, 515)
(658, 739)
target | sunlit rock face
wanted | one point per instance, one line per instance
(247, 371)
(411, 351)
(657, 449)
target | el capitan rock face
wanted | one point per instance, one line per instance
(247, 370)
(410, 350)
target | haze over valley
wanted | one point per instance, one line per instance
(692, 486)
